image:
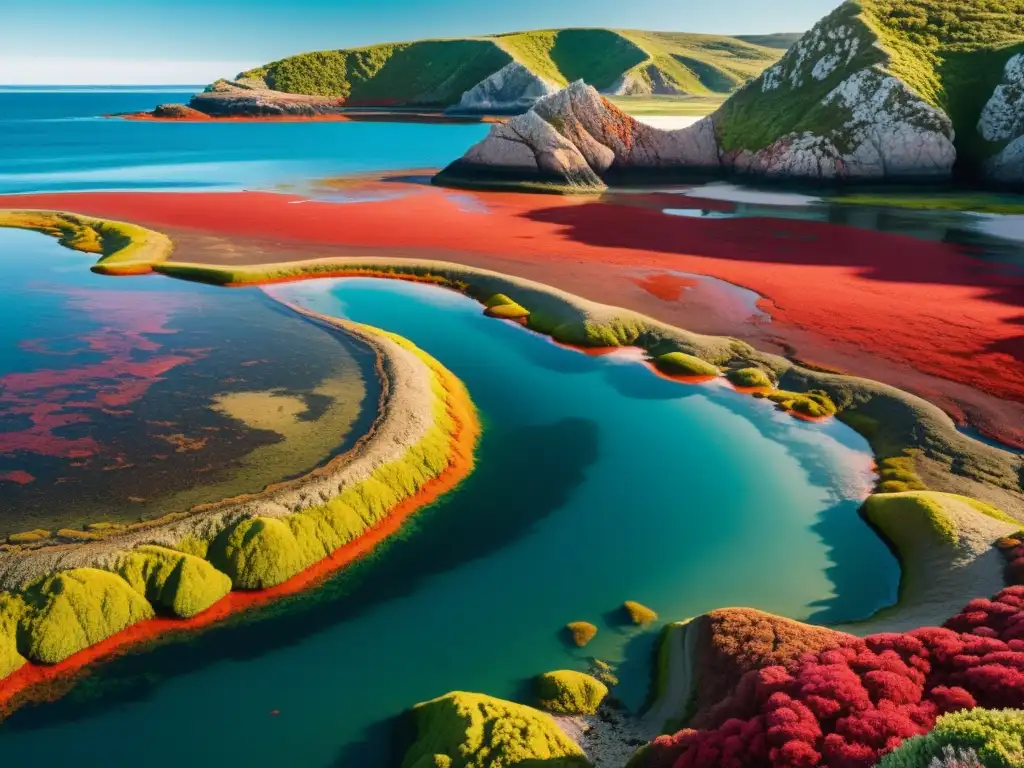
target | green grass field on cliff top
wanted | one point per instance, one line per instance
(440, 71)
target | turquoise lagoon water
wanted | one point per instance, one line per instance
(56, 140)
(596, 482)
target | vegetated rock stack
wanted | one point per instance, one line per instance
(867, 94)
(497, 74)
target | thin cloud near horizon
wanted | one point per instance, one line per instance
(59, 70)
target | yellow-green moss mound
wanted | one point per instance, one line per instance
(580, 632)
(69, 611)
(749, 378)
(566, 692)
(257, 553)
(10, 658)
(897, 474)
(501, 306)
(814, 404)
(177, 583)
(470, 730)
(28, 537)
(638, 613)
(682, 364)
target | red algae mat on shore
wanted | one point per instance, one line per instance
(927, 305)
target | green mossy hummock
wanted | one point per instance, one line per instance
(566, 692)
(470, 730)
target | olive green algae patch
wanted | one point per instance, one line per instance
(501, 306)
(566, 692)
(179, 584)
(749, 378)
(470, 730)
(993, 738)
(682, 364)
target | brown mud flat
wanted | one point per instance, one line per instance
(927, 317)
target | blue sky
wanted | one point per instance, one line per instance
(167, 40)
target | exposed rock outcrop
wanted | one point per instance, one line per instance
(1002, 121)
(574, 139)
(231, 98)
(513, 88)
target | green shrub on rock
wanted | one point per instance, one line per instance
(470, 730)
(180, 584)
(995, 736)
(69, 611)
(566, 692)
(682, 364)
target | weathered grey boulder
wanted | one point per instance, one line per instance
(513, 88)
(526, 149)
(574, 138)
(1002, 122)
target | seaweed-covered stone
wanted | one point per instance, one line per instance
(470, 730)
(566, 692)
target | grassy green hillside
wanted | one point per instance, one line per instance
(440, 71)
(430, 71)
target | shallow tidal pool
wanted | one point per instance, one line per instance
(596, 482)
(126, 399)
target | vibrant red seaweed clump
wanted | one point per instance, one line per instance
(847, 706)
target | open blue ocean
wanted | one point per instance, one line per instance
(57, 139)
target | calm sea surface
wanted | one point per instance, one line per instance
(57, 140)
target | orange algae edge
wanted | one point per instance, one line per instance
(38, 683)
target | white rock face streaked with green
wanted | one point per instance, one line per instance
(1002, 120)
(511, 88)
(882, 130)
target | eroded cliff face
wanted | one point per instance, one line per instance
(830, 110)
(513, 88)
(1002, 122)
